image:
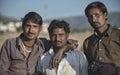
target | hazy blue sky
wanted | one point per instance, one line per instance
(51, 8)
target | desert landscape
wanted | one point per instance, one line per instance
(80, 36)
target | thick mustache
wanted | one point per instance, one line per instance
(31, 33)
(95, 22)
(57, 41)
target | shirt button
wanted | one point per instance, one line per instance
(100, 58)
(100, 49)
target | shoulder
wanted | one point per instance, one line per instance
(75, 53)
(45, 59)
(76, 56)
(10, 40)
(40, 43)
(91, 38)
(8, 45)
(46, 43)
(115, 30)
(47, 54)
(115, 33)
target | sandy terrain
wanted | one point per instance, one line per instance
(77, 36)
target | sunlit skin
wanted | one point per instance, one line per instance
(59, 38)
(31, 32)
(97, 20)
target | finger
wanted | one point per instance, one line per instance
(57, 62)
(50, 64)
(54, 63)
(76, 43)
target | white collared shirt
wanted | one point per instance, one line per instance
(72, 63)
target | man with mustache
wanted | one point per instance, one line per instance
(73, 62)
(102, 48)
(19, 55)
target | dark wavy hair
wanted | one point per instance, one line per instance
(96, 4)
(34, 17)
(58, 24)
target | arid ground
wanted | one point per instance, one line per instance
(77, 36)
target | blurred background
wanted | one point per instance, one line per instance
(72, 11)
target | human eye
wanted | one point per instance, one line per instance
(35, 26)
(90, 16)
(26, 25)
(98, 15)
(61, 35)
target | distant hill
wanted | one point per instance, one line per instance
(76, 22)
(6, 19)
(80, 22)
(114, 18)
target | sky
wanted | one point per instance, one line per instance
(51, 9)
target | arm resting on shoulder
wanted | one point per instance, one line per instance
(71, 45)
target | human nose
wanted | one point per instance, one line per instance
(57, 38)
(94, 18)
(31, 29)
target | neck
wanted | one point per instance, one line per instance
(56, 49)
(102, 29)
(60, 49)
(28, 43)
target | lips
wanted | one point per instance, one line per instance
(29, 34)
(95, 23)
(57, 43)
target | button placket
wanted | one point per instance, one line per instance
(100, 50)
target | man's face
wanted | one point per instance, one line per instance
(31, 30)
(96, 18)
(58, 37)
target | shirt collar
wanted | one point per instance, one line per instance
(108, 32)
(19, 41)
(51, 52)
